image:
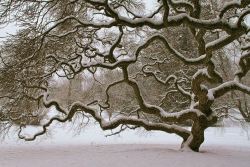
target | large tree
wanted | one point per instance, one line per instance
(149, 65)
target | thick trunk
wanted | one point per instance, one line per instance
(196, 138)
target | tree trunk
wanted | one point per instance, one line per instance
(196, 138)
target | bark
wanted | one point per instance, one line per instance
(196, 138)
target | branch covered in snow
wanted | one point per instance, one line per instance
(148, 67)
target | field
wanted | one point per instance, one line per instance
(224, 147)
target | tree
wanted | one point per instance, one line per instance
(127, 49)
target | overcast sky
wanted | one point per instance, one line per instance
(8, 29)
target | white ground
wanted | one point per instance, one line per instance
(227, 147)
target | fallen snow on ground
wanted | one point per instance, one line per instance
(122, 156)
(224, 147)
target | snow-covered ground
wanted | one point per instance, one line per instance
(227, 147)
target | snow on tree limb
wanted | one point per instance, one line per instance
(118, 47)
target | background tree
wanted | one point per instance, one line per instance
(159, 83)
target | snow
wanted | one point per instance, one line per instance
(210, 95)
(229, 147)
(122, 156)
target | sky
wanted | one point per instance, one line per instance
(7, 29)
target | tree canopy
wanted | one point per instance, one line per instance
(142, 64)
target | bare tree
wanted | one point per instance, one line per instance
(99, 38)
